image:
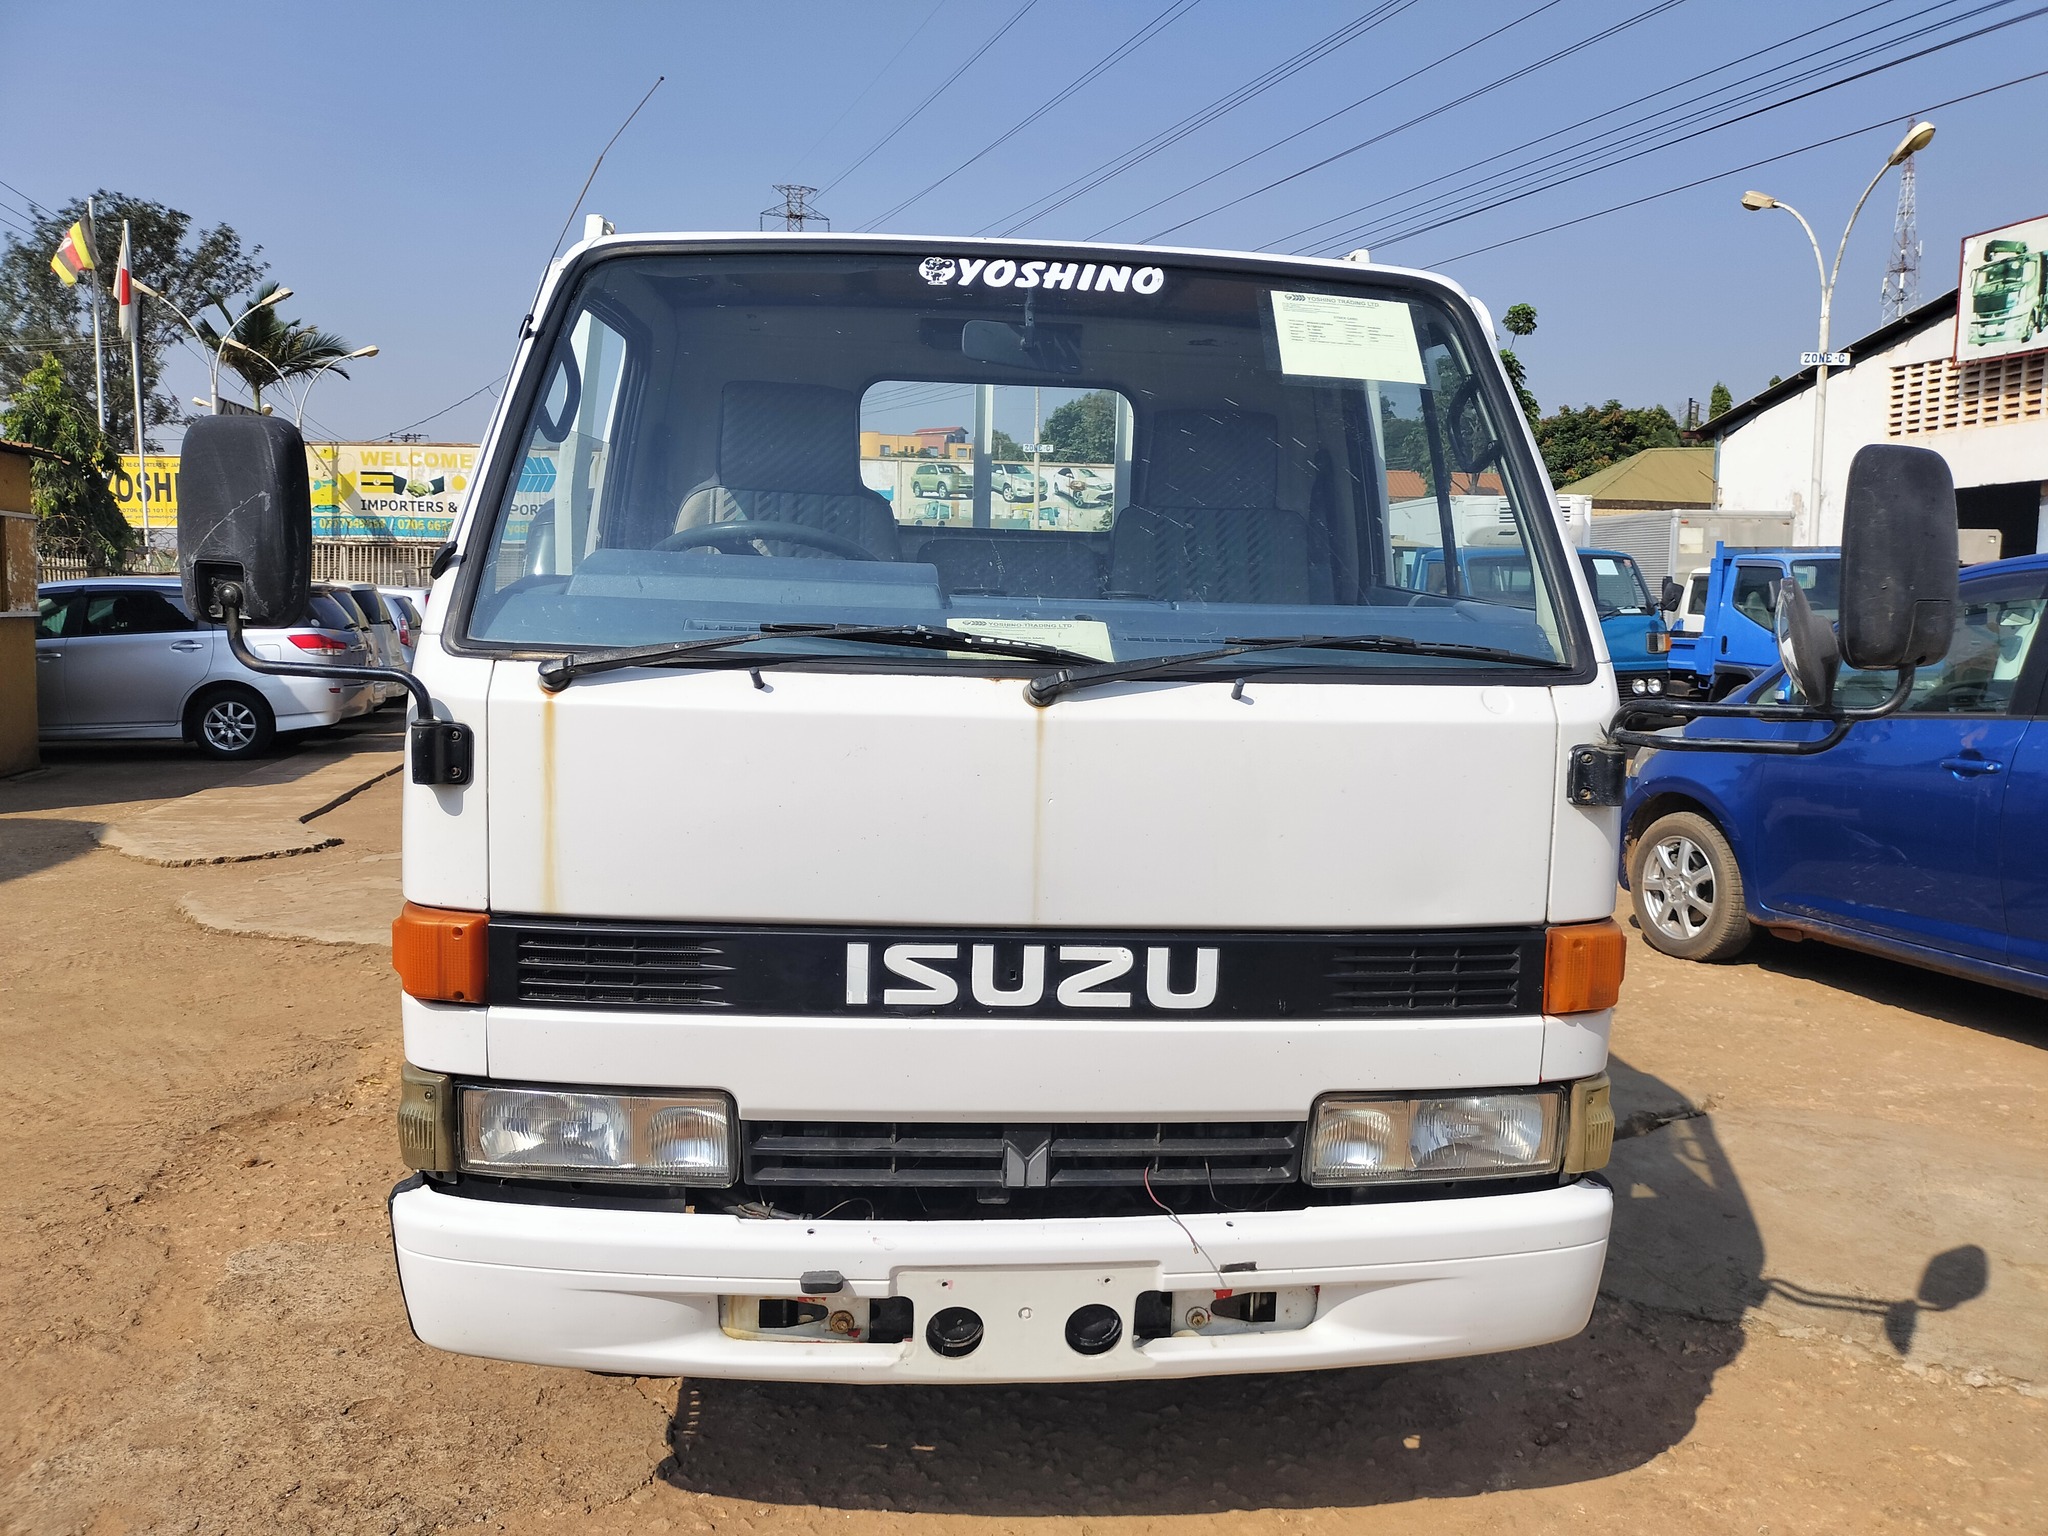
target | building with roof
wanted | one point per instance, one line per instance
(1655, 480)
(1988, 419)
(17, 612)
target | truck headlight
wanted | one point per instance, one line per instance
(672, 1138)
(1369, 1139)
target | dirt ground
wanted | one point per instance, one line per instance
(1827, 1293)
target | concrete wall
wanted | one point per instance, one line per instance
(1765, 465)
(17, 617)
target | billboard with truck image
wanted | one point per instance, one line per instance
(2002, 294)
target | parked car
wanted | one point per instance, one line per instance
(1918, 837)
(380, 635)
(1017, 482)
(946, 481)
(1083, 487)
(120, 658)
(408, 607)
(1634, 628)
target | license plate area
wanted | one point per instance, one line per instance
(1024, 1318)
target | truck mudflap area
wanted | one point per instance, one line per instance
(663, 1294)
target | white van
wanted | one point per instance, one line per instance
(838, 949)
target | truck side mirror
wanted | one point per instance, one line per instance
(1806, 645)
(245, 515)
(1898, 558)
(1669, 596)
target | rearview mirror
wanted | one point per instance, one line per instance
(1898, 558)
(245, 515)
(1039, 347)
(1669, 596)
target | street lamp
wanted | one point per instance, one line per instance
(1807, 529)
(299, 401)
(275, 296)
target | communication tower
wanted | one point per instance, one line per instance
(1902, 277)
(796, 211)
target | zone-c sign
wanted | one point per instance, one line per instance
(1100, 976)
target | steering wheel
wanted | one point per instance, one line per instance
(743, 534)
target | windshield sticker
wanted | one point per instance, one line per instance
(1333, 336)
(1075, 276)
(1088, 636)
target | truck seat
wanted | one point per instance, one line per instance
(1207, 528)
(790, 453)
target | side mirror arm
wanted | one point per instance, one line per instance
(442, 750)
(1622, 731)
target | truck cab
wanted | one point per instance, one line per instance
(1734, 641)
(842, 949)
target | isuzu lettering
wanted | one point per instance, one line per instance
(848, 939)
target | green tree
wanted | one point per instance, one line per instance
(1776, 380)
(75, 511)
(1518, 375)
(265, 349)
(1083, 430)
(1576, 443)
(1004, 448)
(1719, 400)
(1520, 320)
(39, 315)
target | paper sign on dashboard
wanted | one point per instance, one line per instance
(1333, 336)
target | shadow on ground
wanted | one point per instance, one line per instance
(1953, 1000)
(1620, 1393)
(31, 844)
(78, 774)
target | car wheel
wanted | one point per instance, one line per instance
(232, 723)
(1687, 889)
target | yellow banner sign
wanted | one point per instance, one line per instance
(359, 490)
(160, 494)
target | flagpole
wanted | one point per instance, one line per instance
(135, 376)
(99, 362)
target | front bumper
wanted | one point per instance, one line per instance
(638, 1292)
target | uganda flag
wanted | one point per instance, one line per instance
(73, 256)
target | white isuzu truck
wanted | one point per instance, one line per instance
(840, 947)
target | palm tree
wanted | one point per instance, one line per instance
(264, 348)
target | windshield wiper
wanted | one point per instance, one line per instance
(558, 674)
(1044, 689)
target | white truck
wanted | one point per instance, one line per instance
(839, 950)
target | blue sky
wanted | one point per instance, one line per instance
(406, 168)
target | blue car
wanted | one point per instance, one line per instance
(1922, 836)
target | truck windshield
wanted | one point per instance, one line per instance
(1617, 584)
(1120, 460)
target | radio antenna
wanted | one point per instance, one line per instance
(600, 161)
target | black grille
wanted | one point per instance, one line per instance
(1468, 976)
(820, 972)
(619, 968)
(827, 1155)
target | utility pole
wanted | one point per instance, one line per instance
(796, 211)
(1902, 277)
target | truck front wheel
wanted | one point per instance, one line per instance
(1688, 890)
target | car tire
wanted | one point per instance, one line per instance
(231, 723)
(1687, 889)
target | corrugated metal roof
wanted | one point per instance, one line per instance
(1662, 477)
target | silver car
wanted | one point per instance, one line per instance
(120, 658)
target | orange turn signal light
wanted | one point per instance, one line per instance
(440, 955)
(1582, 966)
(1658, 642)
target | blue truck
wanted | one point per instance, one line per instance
(1636, 633)
(1735, 642)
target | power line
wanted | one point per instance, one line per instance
(495, 383)
(34, 206)
(2013, 21)
(1159, 23)
(1201, 117)
(1330, 118)
(1583, 122)
(1525, 179)
(874, 80)
(1737, 170)
(1455, 102)
(938, 91)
